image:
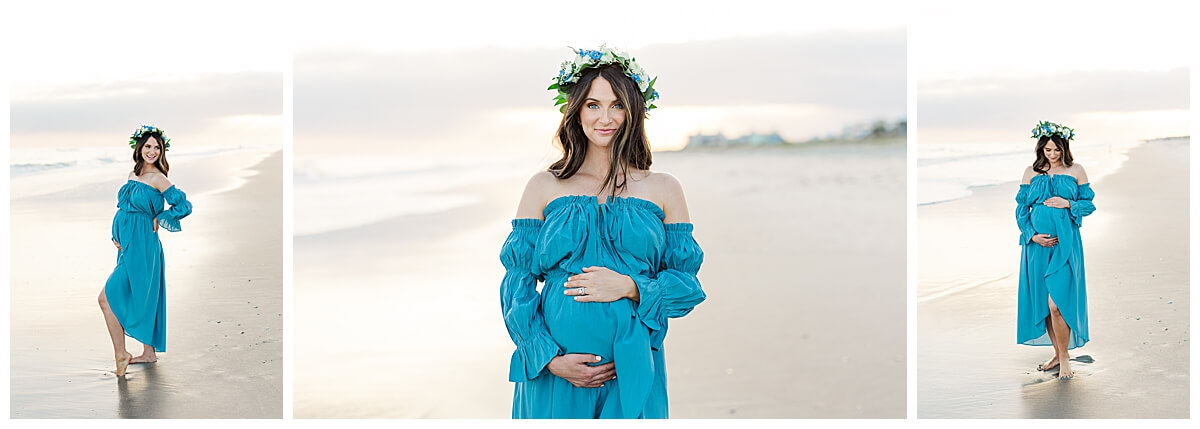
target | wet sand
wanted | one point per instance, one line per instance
(224, 301)
(1136, 249)
(804, 271)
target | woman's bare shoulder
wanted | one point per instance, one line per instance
(1029, 173)
(537, 191)
(668, 193)
(1079, 173)
(157, 180)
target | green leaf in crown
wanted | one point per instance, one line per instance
(569, 72)
(149, 129)
(1047, 128)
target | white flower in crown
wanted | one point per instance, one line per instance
(635, 69)
(570, 70)
(142, 130)
(1047, 128)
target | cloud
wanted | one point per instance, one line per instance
(855, 70)
(187, 104)
(410, 96)
(1017, 103)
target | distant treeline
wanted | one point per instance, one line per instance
(878, 129)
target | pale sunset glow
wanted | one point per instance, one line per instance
(1114, 74)
(448, 77)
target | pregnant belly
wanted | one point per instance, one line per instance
(134, 229)
(1044, 218)
(579, 327)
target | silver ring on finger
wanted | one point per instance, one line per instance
(582, 291)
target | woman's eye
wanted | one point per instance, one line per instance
(593, 106)
(618, 106)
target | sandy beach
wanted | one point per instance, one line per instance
(804, 270)
(1137, 254)
(224, 297)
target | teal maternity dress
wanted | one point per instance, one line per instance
(1055, 272)
(626, 235)
(136, 290)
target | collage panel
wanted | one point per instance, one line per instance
(440, 257)
(1053, 190)
(145, 207)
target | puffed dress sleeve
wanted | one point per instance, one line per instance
(1024, 209)
(1083, 206)
(521, 304)
(180, 208)
(674, 290)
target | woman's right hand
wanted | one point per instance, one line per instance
(1045, 240)
(575, 369)
(115, 243)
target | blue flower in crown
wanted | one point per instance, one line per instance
(1047, 128)
(147, 129)
(594, 55)
(569, 73)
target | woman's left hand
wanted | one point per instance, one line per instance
(1057, 202)
(155, 222)
(600, 284)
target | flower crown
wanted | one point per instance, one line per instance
(147, 129)
(585, 59)
(1047, 128)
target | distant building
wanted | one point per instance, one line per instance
(878, 129)
(707, 140)
(756, 139)
(719, 140)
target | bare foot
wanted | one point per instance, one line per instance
(144, 358)
(123, 363)
(1049, 365)
(1064, 371)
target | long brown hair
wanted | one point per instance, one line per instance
(1041, 164)
(138, 161)
(629, 147)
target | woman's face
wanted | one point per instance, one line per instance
(602, 114)
(151, 150)
(1052, 152)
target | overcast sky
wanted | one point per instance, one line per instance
(489, 97)
(88, 73)
(191, 101)
(444, 76)
(1111, 73)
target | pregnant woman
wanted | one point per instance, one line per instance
(612, 242)
(1054, 197)
(134, 299)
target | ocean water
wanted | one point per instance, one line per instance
(343, 192)
(947, 172)
(983, 228)
(44, 171)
